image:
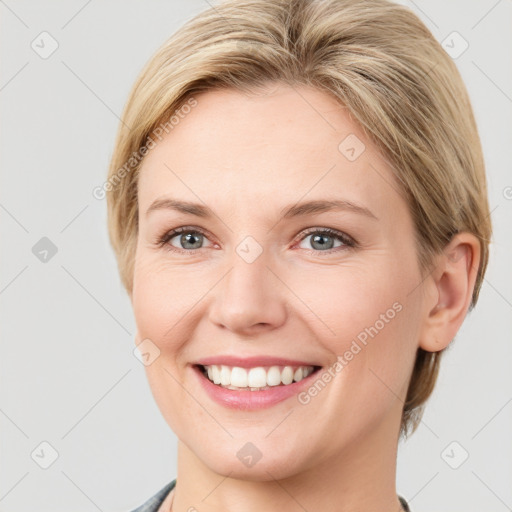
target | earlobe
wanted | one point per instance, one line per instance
(452, 280)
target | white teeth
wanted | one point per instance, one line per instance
(256, 378)
(287, 375)
(240, 378)
(274, 376)
(225, 375)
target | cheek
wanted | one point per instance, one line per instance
(162, 295)
(367, 316)
(163, 303)
(343, 301)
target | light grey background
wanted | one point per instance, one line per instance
(68, 373)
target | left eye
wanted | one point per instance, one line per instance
(323, 239)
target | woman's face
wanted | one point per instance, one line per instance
(249, 280)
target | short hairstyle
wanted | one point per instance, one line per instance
(377, 59)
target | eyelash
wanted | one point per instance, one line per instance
(349, 242)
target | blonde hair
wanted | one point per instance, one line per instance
(377, 59)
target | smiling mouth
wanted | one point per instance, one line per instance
(257, 378)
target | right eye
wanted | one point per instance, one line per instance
(188, 240)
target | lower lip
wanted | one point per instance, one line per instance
(250, 400)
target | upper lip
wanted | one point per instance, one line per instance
(251, 362)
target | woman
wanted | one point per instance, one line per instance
(298, 205)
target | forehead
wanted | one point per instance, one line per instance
(294, 141)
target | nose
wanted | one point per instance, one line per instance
(249, 299)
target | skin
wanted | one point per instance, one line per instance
(247, 157)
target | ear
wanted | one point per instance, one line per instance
(449, 291)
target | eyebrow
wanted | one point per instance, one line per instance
(296, 210)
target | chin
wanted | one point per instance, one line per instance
(257, 461)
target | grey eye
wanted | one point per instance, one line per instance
(322, 241)
(188, 240)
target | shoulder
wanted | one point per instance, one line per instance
(153, 503)
(404, 504)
